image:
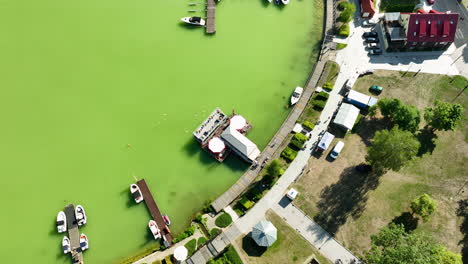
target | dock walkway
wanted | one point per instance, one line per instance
(73, 234)
(210, 16)
(154, 210)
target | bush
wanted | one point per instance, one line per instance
(207, 208)
(214, 232)
(223, 220)
(246, 203)
(167, 260)
(328, 85)
(343, 5)
(201, 241)
(191, 246)
(340, 46)
(274, 169)
(344, 30)
(322, 96)
(308, 125)
(348, 11)
(319, 104)
(232, 256)
(157, 262)
(188, 232)
(398, 6)
(298, 140)
(289, 154)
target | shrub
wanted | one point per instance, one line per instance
(207, 208)
(298, 140)
(246, 203)
(167, 260)
(274, 169)
(188, 232)
(157, 262)
(340, 46)
(348, 11)
(232, 256)
(289, 154)
(322, 96)
(191, 246)
(328, 86)
(201, 241)
(343, 5)
(214, 232)
(344, 30)
(308, 125)
(319, 104)
(223, 220)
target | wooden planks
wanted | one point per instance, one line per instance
(210, 16)
(73, 234)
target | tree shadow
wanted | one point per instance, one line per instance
(368, 126)
(462, 211)
(345, 198)
(251, 248)
(407, 220)
(427, 139)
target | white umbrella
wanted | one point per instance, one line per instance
(180, 253)
(216, 145)
(238, 122)
(264, 233)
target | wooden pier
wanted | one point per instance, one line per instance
(210, 16)
(154, 211)
(73, 234)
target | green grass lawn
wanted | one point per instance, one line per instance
(398, 5)
(289, 247)
(353, 205)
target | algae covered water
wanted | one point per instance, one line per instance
(95, 93)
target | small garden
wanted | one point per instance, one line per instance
(230, 256)
(345, 14)
(398, 5)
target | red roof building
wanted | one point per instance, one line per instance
(367, 8)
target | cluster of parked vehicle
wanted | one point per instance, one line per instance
(372, 40)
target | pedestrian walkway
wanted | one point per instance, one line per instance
(314, 234)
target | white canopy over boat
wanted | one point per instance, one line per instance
(238, 122)
(216, 145)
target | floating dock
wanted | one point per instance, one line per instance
(210, 16)
(73, 234)
(154, 211)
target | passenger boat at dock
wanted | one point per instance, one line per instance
(296, 95)
(84, 242)
(66, 245)
(61, 222)
(154, 229)
(197, 21)
(136, 193)
(80, 215)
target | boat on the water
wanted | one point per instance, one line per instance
(136, 193)
(84, 242)
(61, 222)
(166, 219)
(197, 21)
(66, 245)
(285, 2)
(296, 95)
(154, 229)
(277, 2)
(80, 215)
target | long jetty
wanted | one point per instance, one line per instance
(73, 234)
(154, 210)
(210, 16)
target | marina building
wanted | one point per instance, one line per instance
(240, 144)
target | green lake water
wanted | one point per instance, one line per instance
(95, 92)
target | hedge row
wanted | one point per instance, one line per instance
(188, 232)
(289, 154)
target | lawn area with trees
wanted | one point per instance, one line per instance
(417, 160)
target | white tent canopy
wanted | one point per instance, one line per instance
(180, 253)
(216, 145)
(326, 140)
(346, 116)
(264, 233)
(238, 122)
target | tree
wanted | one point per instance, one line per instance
(275, 169)
(407, 117)
(443, 116)
(423, 206)
(392, 149)
(393, 245)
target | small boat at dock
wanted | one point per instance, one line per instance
(166, 219)
(154, 229)
(197, 21)
(80, 215)
(84, 242)
(277, 2)
(136, 193)
(296, 95)
(285, 2)
(66, 245)
(61, 222)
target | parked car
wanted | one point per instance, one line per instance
(431, 2)
(375, 89)
(367, 23)
(372, 40)
(336, 150)
(371, 34)
(373, 45)
(375, 51)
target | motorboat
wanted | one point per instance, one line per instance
(84, 245)
(61, 222)
(198, 21)
(80, 215)
(166, 219)
(136, 193)
(296, 95)
(285, 2)
(277, 2)
(154, 229)
(66, 245)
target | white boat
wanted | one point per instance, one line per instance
(296, 95)
(84, 242)
(80, 215)
(154, 229)
(61, 222)
(136, 193)
(66, 245)
(198, 21)
(285, 2)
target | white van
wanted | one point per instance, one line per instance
(336, 150)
